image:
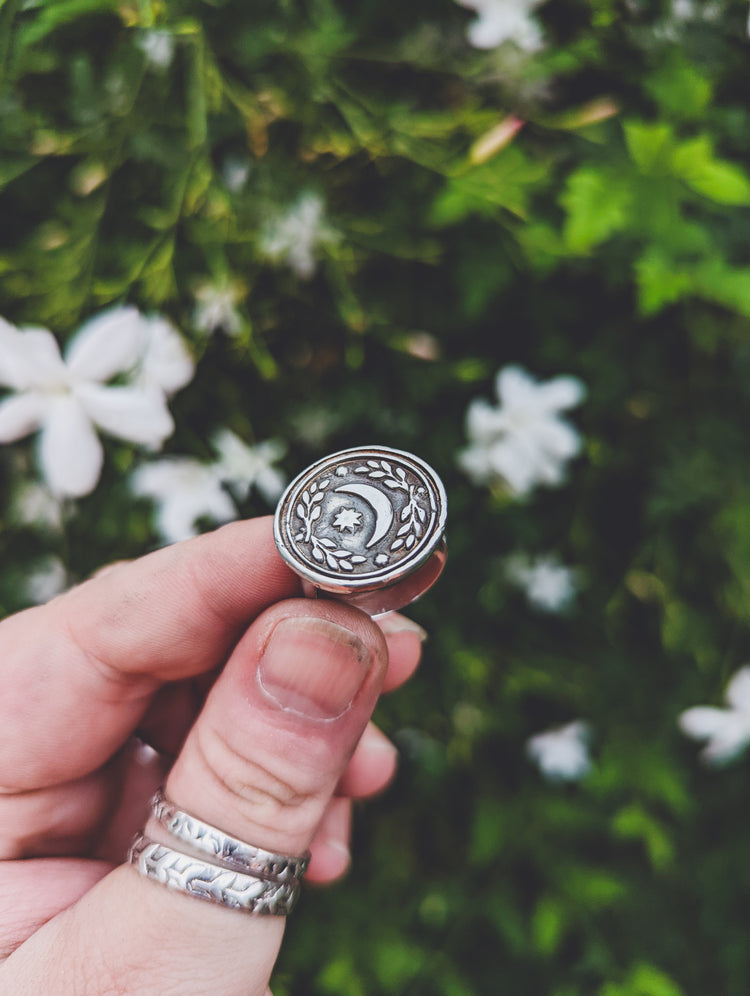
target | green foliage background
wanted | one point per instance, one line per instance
(608, 240)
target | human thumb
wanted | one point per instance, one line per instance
(261, 762)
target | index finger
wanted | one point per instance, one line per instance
(79, 672)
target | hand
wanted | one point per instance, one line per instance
(204, 650)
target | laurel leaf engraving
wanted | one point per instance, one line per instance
(316, 513)
(391, 482)
(397, 544)
(358, 560)
(345, 565)
(404, 512)
(332, 562)
(324, 484)
(313, 488)
(378, 473)
(386, 466)
(421, 513)
(361, 470)
(410, 541)
(301, 511)
(318, 554)
(404, 529)
(305, 497)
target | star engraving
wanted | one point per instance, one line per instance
(348, 518)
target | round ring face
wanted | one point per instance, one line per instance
(362, 518)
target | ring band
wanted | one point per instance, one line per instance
(211, 883)
(228, 851)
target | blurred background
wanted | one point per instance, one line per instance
(511, 237)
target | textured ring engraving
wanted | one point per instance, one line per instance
(211, 883)
(364, 521)
(226, 850)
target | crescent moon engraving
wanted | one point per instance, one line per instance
(380, 505)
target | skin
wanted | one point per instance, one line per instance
(259, 704)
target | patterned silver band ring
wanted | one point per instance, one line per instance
(212, 883)
(226, 850)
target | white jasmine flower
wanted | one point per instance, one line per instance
(35, 505)
(243, 467)
(523, 441)
(547, 585)
(65, 398)
(562, 754)
(689, 10)
(683, 12)
(727, 731)
(235, 172)
(166, 363)
(184, 491)
(48, 578)
(315, 425)
(157, 46)
(294, 237)
(499, 21)
(215, 308)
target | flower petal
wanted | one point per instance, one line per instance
(474, 461)
(185, 490)
(131, 413)
(738, 690)
(31, 358)
(562, 754)
(556, 437)
(108, 344)
(167, 363)
(271, 483)
(561, 393)
(35, 505)
(484, 422)
(47, 579)
(515, 388)
(727, 745)
(702, 722)
(21, 414)
(517, 463)
(70, 453)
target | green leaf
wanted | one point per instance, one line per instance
(598, 204)
(12, 167)
(715, 280)
(679, 88)
(660, 280)
(398, 962)
(647, 980)
(548, 925)
(487, 836)
(650, 146)
(643, 980)
(340, 978)
(504, 182)
(732, 527)
(633, 822)
(723, 182)
(57, 15)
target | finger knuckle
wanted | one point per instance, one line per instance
(267, 789)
